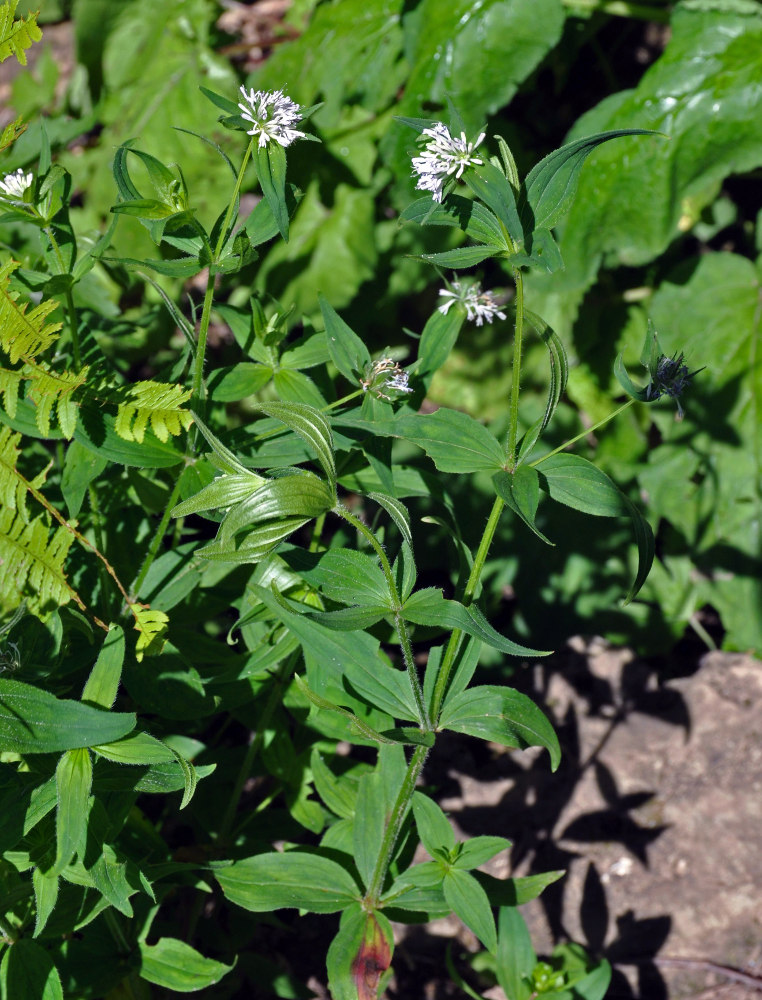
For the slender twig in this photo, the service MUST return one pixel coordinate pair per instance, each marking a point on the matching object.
(518, 336)
(701, 964)
(393, 827)
(583, 434)
(399, 619)
(157, 539)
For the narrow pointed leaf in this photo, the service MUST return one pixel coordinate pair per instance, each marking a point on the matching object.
(469, 902)
(177, 966)
(312, 427)
(348, 352)
(521, 492)
(271, 171)
(293, 879)
(74, 778)
(501, 715)
(550, 186)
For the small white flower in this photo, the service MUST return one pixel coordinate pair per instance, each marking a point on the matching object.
(442, 157)
(384, 375)
(14, 185)
(481, 306)
(272, 116)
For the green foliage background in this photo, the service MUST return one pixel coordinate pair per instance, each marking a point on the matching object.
(669, 232)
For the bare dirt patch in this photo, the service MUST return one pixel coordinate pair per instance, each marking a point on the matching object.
(655, 813)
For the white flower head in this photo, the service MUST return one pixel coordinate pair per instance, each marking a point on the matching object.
(442, 157)
(272, 116)
(481, 306)
(14, 185)
(384, 376)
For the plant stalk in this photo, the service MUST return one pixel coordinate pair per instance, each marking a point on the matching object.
(518, 337)
(583, 434)
(156, 541)
(391, 833)
(407, 651)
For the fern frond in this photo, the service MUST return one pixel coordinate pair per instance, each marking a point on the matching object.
(16, 36)
(11, 132)
(49, 388)
(10, 386)
(159, 404)
(152, 627)
(12, 490)
(24, 334)
(31, 563)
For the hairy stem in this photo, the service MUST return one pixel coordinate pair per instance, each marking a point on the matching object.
(393, 827)
(407, 651)
(518, 335)
(157, 539)
(583, 434)
(453, 644)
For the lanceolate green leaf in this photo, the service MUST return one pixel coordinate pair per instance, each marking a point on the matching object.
(429, 607)
(74, 777)
(35, 721)
(293, 879)
(103, 682)
(27, 972)
(469, 901)
(348, 352)
(501, 715)
(176, 966)
(577, 483)
(489, 184)
(520, 490)
(549, 188)
(454, 441)
(271, 171)
(312, 427)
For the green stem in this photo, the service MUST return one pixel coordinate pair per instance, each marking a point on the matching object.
(391, 833)
(116, 931)
(157, 540)
(583, 434)
(518, 335)
(100, 545)
(407, 651)
(344, 399)
(198, 372)
(317, 531)
(453, 644)
(273, 700)
(74, 332)
(203, 330)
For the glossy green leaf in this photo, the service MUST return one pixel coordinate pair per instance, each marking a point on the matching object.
(343, 575)
(74, 778)
(437, 341)
(429, 607)
(550, 186)
(103, 683)
(27, 972)
(176, 966)
(472, 217)
(577, 483)
(433, 827)
(469, 902)
(479, 850)
(642, 193)
(313, 428)
(227, 385)
(224, 491)
(516, 957)
(489, 184)
(348, 352)
(300, 495)
(255, 545)
(339, 794)
(347, 658)
(270, 161)
(521, 492)
(454, 441)
(462, 257)
(295, 879)
(501, 715)
(45, 887)
(35, 721)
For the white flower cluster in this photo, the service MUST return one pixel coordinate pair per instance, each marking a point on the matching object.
(272, 116)
(384, 376)
(14, 185)
(443, 157)
(481, 307)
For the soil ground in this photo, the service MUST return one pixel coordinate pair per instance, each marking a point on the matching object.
(655, 813)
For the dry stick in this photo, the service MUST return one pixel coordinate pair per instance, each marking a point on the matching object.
(702, 964)
(83, 541)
